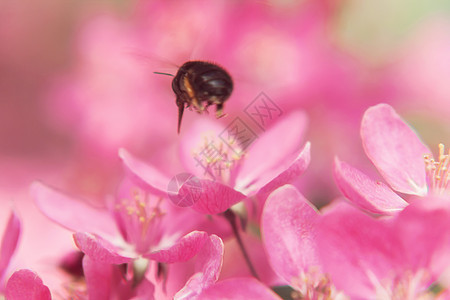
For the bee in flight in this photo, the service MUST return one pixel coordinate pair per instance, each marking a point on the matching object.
(199, 84)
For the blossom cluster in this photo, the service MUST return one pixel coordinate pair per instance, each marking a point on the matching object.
(279, 198)
(372, 243)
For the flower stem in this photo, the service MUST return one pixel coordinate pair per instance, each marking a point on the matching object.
(231, 217)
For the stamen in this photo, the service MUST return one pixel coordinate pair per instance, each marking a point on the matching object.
(438, 171)
(313, 284)
(139, 218)
(219, 158)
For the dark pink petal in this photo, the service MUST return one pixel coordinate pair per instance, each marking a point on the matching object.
(363, 192)
(238, 288)
(153, 179)
(284, 139)
(395, 149)
(9, 242)
(208, 266)
(289, 232)
(98, 277)
(26, 285)
(353, 245)
(70, 213)
(212, 198)
(289, 172)
(99, 249)
(186, 248)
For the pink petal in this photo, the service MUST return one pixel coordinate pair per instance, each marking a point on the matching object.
(424, 229)
(26, 285)
(70, 213)
(99, 249)
(395, 149)
(186, 248)
(212, 198)
(9, 242)
(284, 139)
(365, 193)
(238, 288)
(208, 266)
(289, 232)
(288, 173)
(193, 141)
(98, 277)
(153, 179)
(353, 245)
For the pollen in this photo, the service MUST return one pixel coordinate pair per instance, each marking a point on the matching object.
(219, 157)
(438, 171)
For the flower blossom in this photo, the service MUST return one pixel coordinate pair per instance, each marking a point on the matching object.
(344, 249)
(401, 158)
(227, 171)
(135, 228)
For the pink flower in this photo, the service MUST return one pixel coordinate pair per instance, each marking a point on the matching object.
(227, 171)
(135, 225)
(345, 249)
(9, 243)
(400, 157)
(394, 258)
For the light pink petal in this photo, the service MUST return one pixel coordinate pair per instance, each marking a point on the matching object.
(363, 192)
(289, 232)
(238, 288)
(288, 173)
(356, 250)
(98, 277)
(424, 229)
(9, 242)
(284, 139)
(99, 249)
(26, 285)
(156, 181)
(70, 213)
(193, 141)
(395, 149)
(211, 197)
(186, 248)
(208, 266)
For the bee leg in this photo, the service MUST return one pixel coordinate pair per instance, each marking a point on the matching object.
(219, 111)
(180, 115)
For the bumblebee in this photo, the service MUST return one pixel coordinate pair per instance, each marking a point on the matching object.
(199, 84)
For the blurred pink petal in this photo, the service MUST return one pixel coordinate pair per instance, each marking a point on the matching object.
(238, 288)
(186, 248)
(213, 197)
(375, 197)
(394, 149)
(288, 225)
(9, 242)
(26, 285)
(154, 179)
(99, 249)
(70, 213)
(208, 266)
